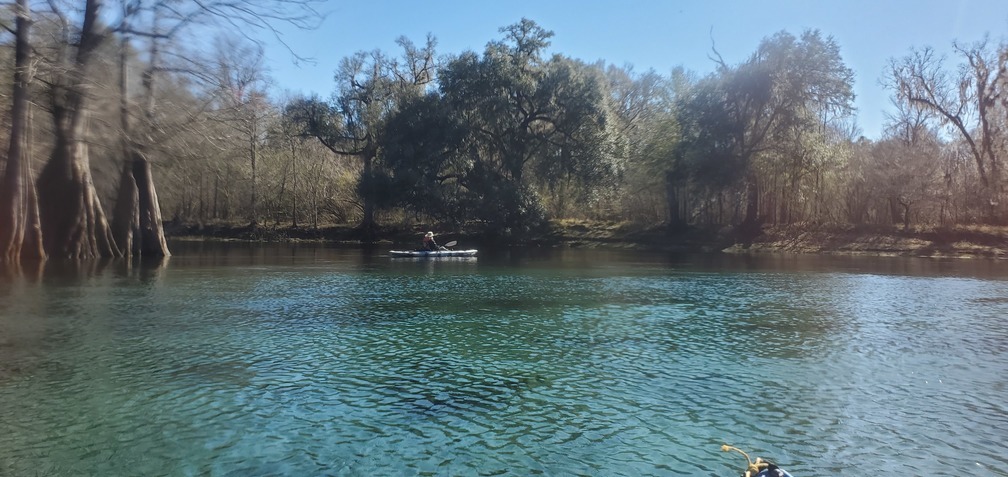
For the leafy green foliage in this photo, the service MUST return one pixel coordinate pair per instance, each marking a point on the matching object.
(512, 135)
(422, 167)
(502, 126)
(370, 88)
(739, 123)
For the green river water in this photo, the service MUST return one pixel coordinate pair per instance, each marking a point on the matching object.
(255, 360)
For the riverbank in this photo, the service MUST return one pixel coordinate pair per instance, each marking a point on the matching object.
(954, 242)
(936, 242)
(962, 242)
(563, 233)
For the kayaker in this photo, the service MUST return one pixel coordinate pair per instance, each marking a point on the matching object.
(429, 244)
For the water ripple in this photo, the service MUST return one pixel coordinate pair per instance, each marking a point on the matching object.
(420, 370)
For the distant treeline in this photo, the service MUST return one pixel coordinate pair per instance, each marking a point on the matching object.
(498, 141)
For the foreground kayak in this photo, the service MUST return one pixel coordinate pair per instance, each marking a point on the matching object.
(432, 254)
(760, 468)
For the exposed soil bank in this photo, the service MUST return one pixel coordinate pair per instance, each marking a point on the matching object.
(964, 242)
(979, 241)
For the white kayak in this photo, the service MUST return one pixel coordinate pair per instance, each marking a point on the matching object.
(432, 254)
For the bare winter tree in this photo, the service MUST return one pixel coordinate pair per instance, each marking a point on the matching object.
(73, 221)
(967, 103)
(240, 84)
(20, 230)
(137, 222)
(370, 87)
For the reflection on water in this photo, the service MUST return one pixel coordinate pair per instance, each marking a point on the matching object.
(304, 360)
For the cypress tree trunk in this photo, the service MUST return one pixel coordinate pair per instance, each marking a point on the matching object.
(73, 222)
(126, 216)
(20, 230)
(152, 238)
(137, 223)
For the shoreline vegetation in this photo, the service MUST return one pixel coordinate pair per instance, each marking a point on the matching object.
(516, 138)
(933, 242)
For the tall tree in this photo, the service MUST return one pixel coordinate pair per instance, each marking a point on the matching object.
(425, 171)
(967, 102)
(20, 229)
(905, 174)
(137, 225)
(529, 121)
(73, 221)
(741, 114)
(241, 92)
(643, 114)
(370, 88)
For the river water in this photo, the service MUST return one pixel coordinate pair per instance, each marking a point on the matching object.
(254, 360)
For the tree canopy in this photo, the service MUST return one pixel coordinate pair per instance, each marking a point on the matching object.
(500, 141)
(502, 125)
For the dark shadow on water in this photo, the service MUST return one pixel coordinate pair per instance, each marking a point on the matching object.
(58, 272)
(29, 271)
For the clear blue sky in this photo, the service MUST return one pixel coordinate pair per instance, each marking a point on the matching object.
(648, 34)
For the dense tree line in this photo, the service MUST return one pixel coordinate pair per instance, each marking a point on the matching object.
(499, 140)
(74, 66)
